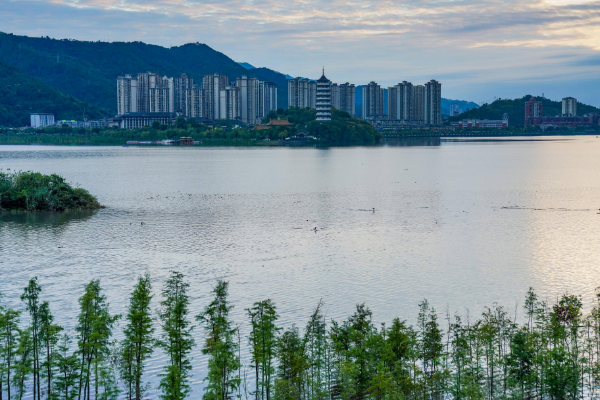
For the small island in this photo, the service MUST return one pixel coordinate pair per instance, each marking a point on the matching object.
(33, 191)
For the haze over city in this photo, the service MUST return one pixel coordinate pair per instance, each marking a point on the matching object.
(478, 50)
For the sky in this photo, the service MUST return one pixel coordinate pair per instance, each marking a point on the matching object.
(478, 50)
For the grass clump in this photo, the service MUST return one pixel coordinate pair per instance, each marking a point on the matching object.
(33, 191)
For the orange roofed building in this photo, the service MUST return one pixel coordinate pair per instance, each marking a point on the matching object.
(272, 123)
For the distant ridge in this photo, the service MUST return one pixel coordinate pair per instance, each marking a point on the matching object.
(22, 94)
(88, 70)
(246, 65)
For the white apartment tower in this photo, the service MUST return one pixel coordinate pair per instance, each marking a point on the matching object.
(372, 101)
(432, 105)
(302, 93)
(249, 98)
(182, 85)
(401, 101)
(194, 102)
(146, 81)
(569, 106)
(127, 94)
(162, 96)
(323, 98)
(212, 85)
(268, 102)
(229, 102)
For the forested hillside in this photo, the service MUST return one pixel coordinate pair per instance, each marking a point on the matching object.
(21, 94)
(516, 110)
(88, 70)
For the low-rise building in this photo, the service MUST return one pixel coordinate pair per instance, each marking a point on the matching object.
(483, 123)
(140, 120)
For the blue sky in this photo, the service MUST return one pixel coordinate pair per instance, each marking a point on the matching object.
(477, 49)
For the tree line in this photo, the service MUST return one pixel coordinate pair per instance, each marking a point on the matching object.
(554, 353)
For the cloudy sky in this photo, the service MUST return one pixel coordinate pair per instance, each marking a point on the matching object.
(477, 49)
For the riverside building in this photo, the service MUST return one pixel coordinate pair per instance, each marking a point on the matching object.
(416, 103)
(372, 101)
(302, 93)
(246, 98)
(569, 107)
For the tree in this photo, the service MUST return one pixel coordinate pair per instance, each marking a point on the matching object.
(49, 337)
(31, 297)
(9, 340)
(220, 345)
(262, 342)
(67, 366)
(138, 343)
(176, 341)
(94, 330)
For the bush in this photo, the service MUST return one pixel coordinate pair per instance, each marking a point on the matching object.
(32, 191)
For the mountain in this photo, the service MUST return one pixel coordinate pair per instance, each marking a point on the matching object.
(246, 65)
(88, 70)
(516, 110)
(462, 104)
(22, 94)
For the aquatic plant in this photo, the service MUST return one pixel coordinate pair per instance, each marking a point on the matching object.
(33, 191)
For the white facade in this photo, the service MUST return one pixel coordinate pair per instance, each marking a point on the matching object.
(127, 94)
(569, 106)
(302, 93)
(42, 119)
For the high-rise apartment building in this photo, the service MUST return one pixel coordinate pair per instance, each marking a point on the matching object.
(269, 101)
(323, 99)
(212, 85)
(194, 102)
(229, 103)
(335, 96)
(182, 85)
(533, 112)
(247, 98)
(162, 96)
(418, 102)
(432, 106)
(372, 101)
(127, 94)
(401, 101)
(569, 107)
(302, 93)
(347, 98)
(146, 81)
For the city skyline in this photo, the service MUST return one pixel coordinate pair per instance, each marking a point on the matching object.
(479, 50)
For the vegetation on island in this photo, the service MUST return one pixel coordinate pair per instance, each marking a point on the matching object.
(33, 191)
(552, 351)
(341, 130)
(515, 108)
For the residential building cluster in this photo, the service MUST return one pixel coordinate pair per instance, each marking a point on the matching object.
(482, 123)
(534, 115)
(408, 104)
(246, 99)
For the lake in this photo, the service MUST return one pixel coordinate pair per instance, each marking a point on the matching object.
(463, 223)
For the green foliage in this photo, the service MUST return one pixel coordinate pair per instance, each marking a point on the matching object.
(138, 343)
(32, 191)
(220, 345)
(262, 340)
(88, 70)
(515, 109)
(177, 340)
(22, 94)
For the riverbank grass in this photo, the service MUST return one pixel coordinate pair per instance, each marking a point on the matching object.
(33, 191)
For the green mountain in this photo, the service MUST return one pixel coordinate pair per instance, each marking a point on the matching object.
(516, 110)
(22, 94)
(88, 70)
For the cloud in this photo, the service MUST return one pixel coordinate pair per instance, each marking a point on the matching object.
(467, 43)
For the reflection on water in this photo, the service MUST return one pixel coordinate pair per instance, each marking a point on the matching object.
(464, 225)
(43, 218)
(412, 141)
